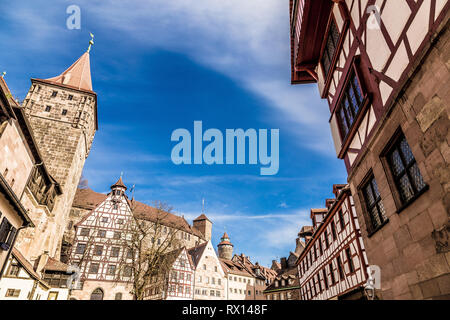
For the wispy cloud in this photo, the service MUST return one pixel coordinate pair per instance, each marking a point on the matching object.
(242, 39)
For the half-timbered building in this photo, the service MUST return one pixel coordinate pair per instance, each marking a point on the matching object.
(383, 68)
(174, 282)
(101, 241)
(333, 264)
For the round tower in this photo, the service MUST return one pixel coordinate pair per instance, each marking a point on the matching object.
(225, 247)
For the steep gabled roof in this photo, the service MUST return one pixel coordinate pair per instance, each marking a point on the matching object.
(197, 252)
(201, 217)
(77, 76)
(89, 199)
(232, 267)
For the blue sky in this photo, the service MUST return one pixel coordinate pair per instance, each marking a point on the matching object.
(159, 65)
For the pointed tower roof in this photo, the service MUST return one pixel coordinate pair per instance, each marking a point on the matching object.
(225, 240)
(119, 183)
(202, 217)
(77, 76)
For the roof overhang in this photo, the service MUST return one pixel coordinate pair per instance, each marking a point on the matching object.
(309, 19)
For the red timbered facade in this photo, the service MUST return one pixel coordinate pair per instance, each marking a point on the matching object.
(99, 250)
(383, 68)
(175, 284)
(333, 264)
(102, 245)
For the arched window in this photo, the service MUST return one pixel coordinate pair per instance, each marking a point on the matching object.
(97, 294)
(118, 296)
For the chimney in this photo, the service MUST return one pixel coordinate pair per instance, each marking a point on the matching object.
(284, 264)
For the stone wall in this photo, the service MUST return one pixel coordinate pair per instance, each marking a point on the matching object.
(412, 247)
(64, 128)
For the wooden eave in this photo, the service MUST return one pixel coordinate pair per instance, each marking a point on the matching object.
(312, 32)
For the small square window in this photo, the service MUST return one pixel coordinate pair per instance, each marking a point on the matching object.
(102, 233)
(93, 268)
(54, 94)
(111, 270)
(48, 108)
(104, 219)
(81, 247)
(84, 232)
(70, 97)
(64, 112)
(98, 250)
(115, 252)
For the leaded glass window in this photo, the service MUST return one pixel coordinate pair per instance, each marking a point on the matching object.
(374, 205)
(404, 168)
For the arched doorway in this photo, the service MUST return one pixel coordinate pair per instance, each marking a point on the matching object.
(97, 294)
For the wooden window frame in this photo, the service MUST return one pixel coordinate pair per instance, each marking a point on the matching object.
(78, 245)
(11, 293)
(342, 34)
(340, 267)
(83, 230)
(351, 265)
(341, 219)
(355, 68)
(90, 271)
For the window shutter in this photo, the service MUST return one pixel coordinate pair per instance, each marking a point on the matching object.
(4, 230)
(12, 236)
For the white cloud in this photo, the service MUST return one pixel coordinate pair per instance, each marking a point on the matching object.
(246, 40)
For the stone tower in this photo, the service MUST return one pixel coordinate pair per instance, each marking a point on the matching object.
(63, 115)
(225, 247)
(204, 225)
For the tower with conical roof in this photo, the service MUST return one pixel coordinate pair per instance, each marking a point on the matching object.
(225, 247)
(63, 114)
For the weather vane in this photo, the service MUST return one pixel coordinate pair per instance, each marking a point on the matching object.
(121, 174)
(3, 74)
(91, 42)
